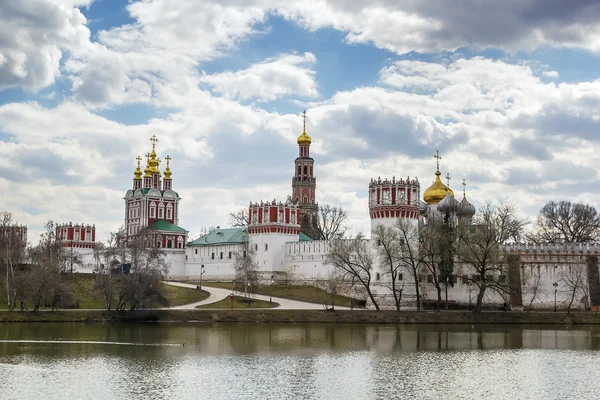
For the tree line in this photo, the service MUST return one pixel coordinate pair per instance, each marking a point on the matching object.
(444, 252)
(35, 275)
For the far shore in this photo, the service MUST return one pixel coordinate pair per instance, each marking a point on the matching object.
(306, 316)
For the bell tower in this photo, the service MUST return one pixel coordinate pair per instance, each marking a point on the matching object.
(304, 186)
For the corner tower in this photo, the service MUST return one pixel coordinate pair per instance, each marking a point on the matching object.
(390, 200)
(304, 186)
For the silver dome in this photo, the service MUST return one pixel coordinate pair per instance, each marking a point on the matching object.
(448, 205)
(466, 209)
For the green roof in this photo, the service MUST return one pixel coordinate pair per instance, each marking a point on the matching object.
(162, 225)
(304, 238)
(222, 236)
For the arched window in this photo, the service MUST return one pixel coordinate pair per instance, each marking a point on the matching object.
(169, 211)
(161, 211)
(152, 210)
(305, 170)
(159, 241)
(299, 170)
(180, 242)
(169, 244)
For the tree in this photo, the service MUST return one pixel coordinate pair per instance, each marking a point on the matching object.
(143, 287)
(49, 259)
(479, 247)
(431, 242)
(566, 222)
(331, 222)
(353, 258)
(574, 281)
(12, 253)
(246, 270)
(331, 286)
(239, 218)
(391, 245)
(533, 285)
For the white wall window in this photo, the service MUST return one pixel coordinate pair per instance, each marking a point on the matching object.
(161, 211)
(169, 211)
(152, 210)
(292, 218)
(266, 247)
(281, 216)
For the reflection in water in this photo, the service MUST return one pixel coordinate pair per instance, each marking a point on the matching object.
(322, 361)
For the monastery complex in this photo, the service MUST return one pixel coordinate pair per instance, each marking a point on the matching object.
(282, 237)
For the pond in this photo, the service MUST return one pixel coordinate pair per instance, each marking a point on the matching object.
(297, 361)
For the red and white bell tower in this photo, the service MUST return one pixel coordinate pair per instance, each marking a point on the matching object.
(304, 186)
(152, 206)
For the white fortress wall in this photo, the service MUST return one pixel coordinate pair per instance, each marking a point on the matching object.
(218, 261)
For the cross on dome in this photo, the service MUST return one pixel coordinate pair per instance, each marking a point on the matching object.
(438, 158)
(153, 139)
(448, 179)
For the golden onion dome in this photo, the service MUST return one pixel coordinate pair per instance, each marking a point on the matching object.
(304, 139)
(436, 192)
(137, 174)
(168, 169)
(148, 170)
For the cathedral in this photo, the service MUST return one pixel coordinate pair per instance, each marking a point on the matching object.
(283, 240)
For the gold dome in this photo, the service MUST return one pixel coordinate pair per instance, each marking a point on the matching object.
(304, 139)
(436, 192)
(137, 174)
(148, 170)
(168, 169)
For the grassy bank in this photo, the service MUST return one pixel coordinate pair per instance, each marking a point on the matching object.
(306, 293)
(84, 295)
(305, 316)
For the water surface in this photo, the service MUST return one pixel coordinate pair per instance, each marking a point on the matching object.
(297, 361)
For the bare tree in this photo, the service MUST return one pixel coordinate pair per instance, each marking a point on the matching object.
(331, 286)
(331, 222)
(239, 218)
(353, 258)
(574, 281)
(479, 247)
(533, 286)
(246, 269)
(430, 243)
(49, 259)
(143, 287)
(390, 251)
(12, 252)
(566, 222)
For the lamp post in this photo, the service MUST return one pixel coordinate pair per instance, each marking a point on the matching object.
(555, 290)
(202, 271)
(271, 288)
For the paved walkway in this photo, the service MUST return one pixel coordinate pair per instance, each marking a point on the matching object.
(217, 294)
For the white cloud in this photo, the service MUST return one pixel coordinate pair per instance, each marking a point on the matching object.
(33, 36)
(550, 74)
(284, 75)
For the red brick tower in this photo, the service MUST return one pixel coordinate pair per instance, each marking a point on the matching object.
(304, 186)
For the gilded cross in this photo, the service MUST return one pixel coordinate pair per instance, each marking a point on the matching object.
(438, 158)
(464, 186)
(304, 117)
(138, 158)
(448, 179)
(168, 158)
(147, 157)
(153, 139)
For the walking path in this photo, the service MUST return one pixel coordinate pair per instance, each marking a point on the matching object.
(217, 294)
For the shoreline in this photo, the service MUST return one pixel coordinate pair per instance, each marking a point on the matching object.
(307, 316)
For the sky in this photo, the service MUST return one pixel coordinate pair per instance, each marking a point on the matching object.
(509, 92)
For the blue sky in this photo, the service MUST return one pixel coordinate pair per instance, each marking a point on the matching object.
(507, 91)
